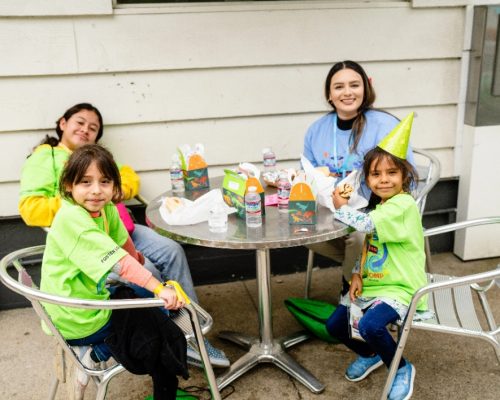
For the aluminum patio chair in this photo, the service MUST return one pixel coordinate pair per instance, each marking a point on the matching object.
(451, 300)
(429, 169)
(193, 320)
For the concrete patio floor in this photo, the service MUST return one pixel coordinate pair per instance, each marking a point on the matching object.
(447, 367)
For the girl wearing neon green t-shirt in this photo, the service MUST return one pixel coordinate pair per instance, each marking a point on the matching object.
(390, 270)
(87, 241)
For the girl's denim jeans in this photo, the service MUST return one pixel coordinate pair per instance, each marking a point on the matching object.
(372, 327)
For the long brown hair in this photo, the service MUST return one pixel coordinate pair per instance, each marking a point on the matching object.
(367, 103)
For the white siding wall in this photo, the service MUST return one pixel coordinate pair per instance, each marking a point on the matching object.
(235, 78)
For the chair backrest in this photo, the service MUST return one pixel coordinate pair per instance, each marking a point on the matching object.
(193, 320)
(429, 170)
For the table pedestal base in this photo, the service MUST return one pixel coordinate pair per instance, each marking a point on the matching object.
(274, 352)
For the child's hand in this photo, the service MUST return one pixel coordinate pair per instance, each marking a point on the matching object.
(356, 287)
(338, 200)
(169, 296)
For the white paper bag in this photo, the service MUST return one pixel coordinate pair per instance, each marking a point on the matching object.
(193, 212)
(356, 200)
(323, 186)
(355, 314)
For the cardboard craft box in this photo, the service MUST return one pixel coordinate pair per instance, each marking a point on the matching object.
(302, 207)
(234, 188)
(194, 172)
(233, 191)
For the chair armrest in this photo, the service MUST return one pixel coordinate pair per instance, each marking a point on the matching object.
(492, 275)
(460, 225)
(35, 293)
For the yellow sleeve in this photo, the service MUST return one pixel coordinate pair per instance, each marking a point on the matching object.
(39, 210)
(130, 182)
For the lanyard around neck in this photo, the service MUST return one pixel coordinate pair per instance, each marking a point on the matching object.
(342, 169)
(335, 158)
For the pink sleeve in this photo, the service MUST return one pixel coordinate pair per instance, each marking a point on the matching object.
(125, 217)
(133, 271)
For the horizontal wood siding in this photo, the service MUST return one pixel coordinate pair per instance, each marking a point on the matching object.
(236, 81)
(157, 42)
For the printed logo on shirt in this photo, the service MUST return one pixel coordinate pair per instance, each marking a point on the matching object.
(336, 168)
(110, 253)
(375, 261)
(342, 166)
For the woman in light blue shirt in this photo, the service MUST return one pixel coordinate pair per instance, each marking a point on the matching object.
(340, 139)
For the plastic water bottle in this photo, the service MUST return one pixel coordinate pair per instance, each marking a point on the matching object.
(252, 208)
(217, 218)
(283, 192)
(176, 179)
(269, 159)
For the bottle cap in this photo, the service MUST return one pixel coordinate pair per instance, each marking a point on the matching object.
(252, 188)
(266, 150)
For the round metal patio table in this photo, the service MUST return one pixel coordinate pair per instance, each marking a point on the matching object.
(275, 232)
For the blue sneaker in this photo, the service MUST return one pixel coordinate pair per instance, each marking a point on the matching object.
(217, 357)
(362, 367)
(402, 387)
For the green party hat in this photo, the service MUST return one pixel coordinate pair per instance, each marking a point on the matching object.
(396, 142)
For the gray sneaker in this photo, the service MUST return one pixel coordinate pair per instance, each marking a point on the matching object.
(217, 357)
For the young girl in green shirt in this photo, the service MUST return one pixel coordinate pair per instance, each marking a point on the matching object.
(390, 270)
(87, 241)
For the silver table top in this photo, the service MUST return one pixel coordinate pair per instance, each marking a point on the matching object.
(275, 231)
